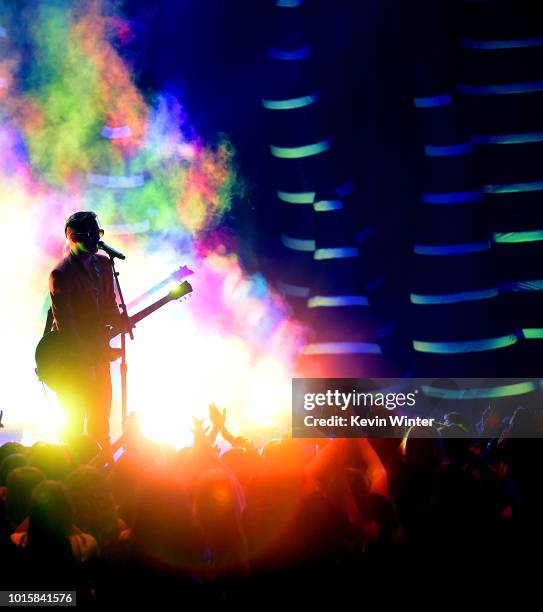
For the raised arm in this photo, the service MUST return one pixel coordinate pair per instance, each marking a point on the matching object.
(375, 470)
(218, 421)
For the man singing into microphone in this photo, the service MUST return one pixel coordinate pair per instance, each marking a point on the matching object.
(83, 304)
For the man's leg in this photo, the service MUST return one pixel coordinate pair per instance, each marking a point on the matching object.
(72, 401)
(99, 405)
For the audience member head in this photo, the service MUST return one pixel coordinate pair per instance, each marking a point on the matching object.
(422, 447)
(244, 463)
(123, 480)
(50, 522)
(10, 463)
(164, 533)
(21, 483)
(284, 462)
(216, 501)
(11, 448)
(456, 443)
(83, 449)
(94, 510)
(52, 459)
(218, 511)
(455, 418)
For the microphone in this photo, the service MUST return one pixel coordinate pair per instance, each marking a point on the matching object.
(110, 250)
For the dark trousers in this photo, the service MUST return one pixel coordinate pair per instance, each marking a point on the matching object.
(87, 394)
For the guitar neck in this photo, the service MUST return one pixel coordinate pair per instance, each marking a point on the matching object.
(178, 292)
(145, 312)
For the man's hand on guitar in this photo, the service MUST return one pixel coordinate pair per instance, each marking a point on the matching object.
(124, 325)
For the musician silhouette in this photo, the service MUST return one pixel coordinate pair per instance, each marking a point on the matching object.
(83, 304)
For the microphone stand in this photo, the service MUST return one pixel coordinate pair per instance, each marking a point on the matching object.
(124, 366)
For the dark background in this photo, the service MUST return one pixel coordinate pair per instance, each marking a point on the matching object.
(211, 54)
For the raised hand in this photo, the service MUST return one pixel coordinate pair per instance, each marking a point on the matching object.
(217, 417)
(199, 431)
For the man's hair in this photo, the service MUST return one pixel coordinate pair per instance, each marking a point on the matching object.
(80, 222)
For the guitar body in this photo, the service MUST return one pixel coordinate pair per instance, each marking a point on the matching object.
(52, 355)
(55, 360)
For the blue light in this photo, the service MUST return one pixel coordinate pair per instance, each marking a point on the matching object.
(448, 150)
(523, 285)
(291, 103)
(452, 249)
(514, 187)
(336, 253)
(341, 348)
(466, 346)
(291, 54)
(518, 237)
(504, 89)
(327, 205)
(345, 189)
(116, 182)
(490, 45)
(300, 197)
(298, 244)
(293, 290)
(432, 101)
(337, 300)
(532, 333)
(453, 298)
(521, 138)
(480, 393)
(456, 197)
(300, 152)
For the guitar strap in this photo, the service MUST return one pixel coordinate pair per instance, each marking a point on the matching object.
(48, 322)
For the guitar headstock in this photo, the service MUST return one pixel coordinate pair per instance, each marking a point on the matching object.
(180, 291)
(181, 273)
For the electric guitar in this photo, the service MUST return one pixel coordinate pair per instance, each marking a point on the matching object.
(53, 354)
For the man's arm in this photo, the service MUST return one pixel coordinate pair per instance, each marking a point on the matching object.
(61, 303)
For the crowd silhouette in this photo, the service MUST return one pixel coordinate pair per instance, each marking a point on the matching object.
(312, 519)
